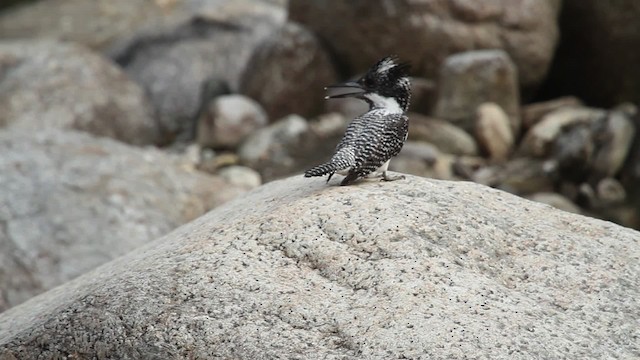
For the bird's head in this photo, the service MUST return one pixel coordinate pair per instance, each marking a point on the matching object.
(386, 85)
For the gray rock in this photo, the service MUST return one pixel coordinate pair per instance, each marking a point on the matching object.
(241, 176)
(610, 192)
(447, 137)
(272, 150)
(520, 176)
(292, 145)
(470, 79)
(418, 158)
(287, 73)
(415, 269)
(228, 120)
(615, 141)
(531, 114)
(61, 85)
(358, 32)
(538, 139)
(556, 200)
(175, 63)
(329, 125)
(493, 131)
(70, 202)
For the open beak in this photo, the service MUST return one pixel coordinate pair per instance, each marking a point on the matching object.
(347, 84)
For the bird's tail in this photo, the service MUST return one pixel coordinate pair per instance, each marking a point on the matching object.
(328, 168)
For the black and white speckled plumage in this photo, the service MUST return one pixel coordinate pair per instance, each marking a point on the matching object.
(373, 138)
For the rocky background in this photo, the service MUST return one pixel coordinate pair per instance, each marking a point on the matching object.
(121, 120)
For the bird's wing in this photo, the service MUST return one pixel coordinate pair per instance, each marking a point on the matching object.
(354, 131)
(383, 140)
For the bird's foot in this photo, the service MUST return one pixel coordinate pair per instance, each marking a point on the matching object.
(387, 177)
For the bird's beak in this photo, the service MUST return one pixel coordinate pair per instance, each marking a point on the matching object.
(347, 84)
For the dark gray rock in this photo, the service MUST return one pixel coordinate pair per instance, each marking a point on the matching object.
(175, 63)
(70, 202)
(415, 269)
(573, 152)
(426, 32)
(598, 57)
(470, 79)
(614, 141)
(60, 85)
(288, 72)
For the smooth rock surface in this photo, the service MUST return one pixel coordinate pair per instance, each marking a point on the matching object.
(417, 158)
(288, 72)
(70, 202)
(228, 120)
(531, 114)
(556, 200)
(241, 176)
(493, 131)
(302, 269)
(446, 136)
(425, 32)
(472, 78)
(520, 176)
(47, 84)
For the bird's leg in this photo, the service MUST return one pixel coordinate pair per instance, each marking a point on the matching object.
(387, 177)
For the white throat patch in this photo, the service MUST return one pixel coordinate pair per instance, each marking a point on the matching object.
(386, 103)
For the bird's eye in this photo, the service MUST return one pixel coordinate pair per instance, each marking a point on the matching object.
(368, 82)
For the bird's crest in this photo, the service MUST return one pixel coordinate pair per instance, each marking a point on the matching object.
(390, 65)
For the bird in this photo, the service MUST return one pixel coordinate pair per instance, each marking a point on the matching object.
(373, 138)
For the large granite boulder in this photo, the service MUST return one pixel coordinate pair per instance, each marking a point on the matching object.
(70, 202)
(46, 84)
(299, 269)
(425, 32)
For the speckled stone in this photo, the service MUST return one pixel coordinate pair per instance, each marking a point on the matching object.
(299, 269)
(70, 202)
